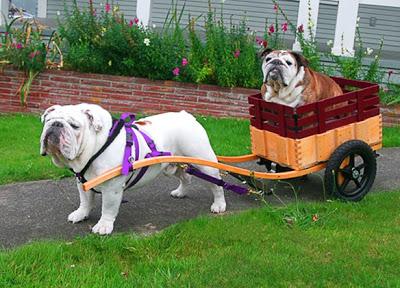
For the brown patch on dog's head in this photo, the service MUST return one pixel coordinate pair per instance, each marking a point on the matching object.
(265, 52)
(300, 59)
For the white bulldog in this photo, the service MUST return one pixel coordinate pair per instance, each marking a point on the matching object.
(72, 134)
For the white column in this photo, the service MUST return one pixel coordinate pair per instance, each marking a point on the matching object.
(3, 10)
(42, 9)
(345, 28)
(143, 11)
(308, 9)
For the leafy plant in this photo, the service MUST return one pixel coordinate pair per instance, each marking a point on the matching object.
(24, 48)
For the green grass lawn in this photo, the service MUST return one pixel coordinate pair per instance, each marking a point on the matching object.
(351, 245)
(20, 159)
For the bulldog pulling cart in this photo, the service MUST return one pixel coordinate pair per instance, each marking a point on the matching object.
(340, 135)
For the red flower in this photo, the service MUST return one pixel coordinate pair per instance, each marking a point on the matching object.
(276, 7)
(285, 27)
(265, 43)
(131, 23)
(236, 54)
(175, 71)
(136, 20)
(390, 72)
(315, 217)
(19, 46)
(108, 7)
(271, 29)
(300, 29)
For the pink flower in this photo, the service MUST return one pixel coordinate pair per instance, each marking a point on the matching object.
(136, 20)
(184, 62)
(34, 54)
(300, 29)
(19, 46)
(176, 71)
(276, 7)
(285, 27)
(236, 54)
(271, 29)
(131, 23)
(108, 7)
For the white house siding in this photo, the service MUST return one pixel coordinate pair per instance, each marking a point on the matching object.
(127, 6)
(326, 21)
(387, 25)
(256, 12)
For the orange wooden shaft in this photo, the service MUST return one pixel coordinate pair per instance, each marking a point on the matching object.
(181, 159)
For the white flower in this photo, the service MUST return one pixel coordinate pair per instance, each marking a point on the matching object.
(154, 26)
(329, 43)
(146, 41)
(58, 13)
(376, 57)
(358, 19)
(369, 51)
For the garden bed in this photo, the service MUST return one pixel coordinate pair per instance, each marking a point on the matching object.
(139, 95)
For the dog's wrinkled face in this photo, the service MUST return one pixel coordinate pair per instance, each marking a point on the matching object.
(280, 67)
(66, 131)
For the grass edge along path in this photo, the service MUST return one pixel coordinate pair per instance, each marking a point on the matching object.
(330, 244)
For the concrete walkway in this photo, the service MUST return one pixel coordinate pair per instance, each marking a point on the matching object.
(38, 210)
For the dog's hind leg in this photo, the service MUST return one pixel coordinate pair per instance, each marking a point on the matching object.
(184, 182)
(219, 204)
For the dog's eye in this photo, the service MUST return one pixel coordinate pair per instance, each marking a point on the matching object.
(288, 63)
(267, 59)
(74, 126)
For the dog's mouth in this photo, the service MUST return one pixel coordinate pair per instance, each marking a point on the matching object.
(274, 76)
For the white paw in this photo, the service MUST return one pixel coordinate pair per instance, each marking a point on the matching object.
(78, 215)
(178, 193)
(218, 207)
(103, 227)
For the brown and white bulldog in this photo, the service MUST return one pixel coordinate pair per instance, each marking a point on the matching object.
(289, 81)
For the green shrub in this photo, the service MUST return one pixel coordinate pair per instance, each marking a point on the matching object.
(24, 48)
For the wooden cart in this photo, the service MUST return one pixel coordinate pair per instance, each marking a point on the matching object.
(340, 134)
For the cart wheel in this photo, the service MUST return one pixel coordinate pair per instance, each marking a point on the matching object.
(350, 171)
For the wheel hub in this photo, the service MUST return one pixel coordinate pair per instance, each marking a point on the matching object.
(355, 173)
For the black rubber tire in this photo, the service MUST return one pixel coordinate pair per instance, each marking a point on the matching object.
(363, 179)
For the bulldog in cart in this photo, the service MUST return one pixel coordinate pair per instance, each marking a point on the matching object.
(73, 135)
(288, 80)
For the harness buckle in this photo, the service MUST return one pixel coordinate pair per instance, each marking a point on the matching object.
(131, 160)
(129, 139)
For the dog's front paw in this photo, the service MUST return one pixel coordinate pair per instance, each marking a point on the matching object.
(78, 215)
(103, 227)
(218, 207)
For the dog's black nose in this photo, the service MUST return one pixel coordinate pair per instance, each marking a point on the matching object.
(57, 124)
(276, 62)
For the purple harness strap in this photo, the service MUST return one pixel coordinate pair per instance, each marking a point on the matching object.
(132, 139)
(232, 187)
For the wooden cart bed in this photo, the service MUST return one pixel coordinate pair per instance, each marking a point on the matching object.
(305, 136)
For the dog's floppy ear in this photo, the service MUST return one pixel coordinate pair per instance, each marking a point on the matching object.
(301, 61)
(265, 52)
(94, 121)
(48, 110)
